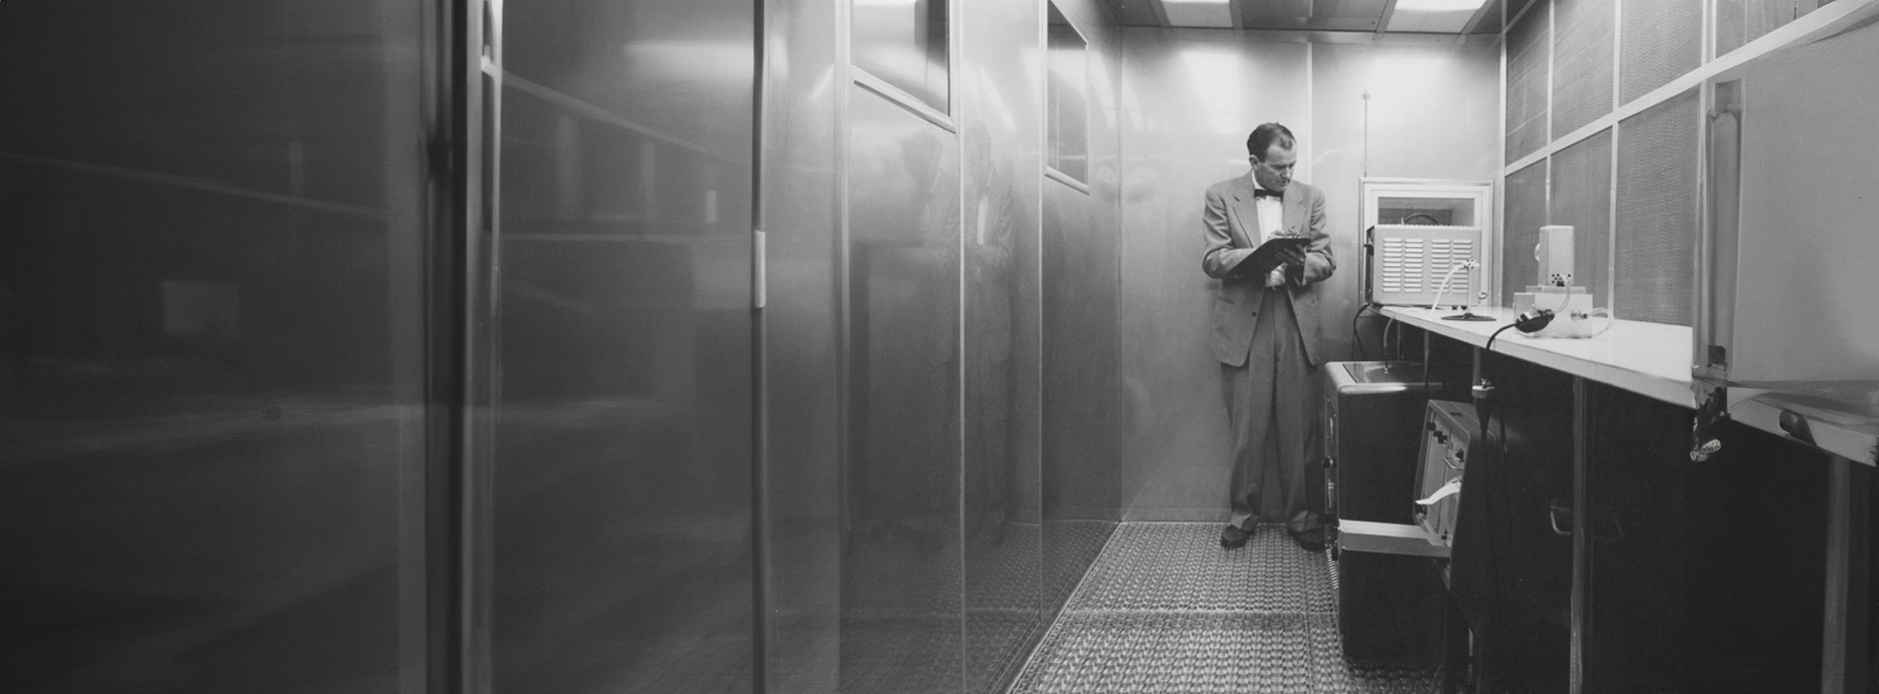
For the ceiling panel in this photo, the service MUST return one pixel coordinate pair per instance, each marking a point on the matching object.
(1491, 20)
(1308, 15)
(1312, 15)
(1135, 13)
(1198, 13)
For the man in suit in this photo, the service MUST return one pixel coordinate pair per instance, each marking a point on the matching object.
(1266, 329)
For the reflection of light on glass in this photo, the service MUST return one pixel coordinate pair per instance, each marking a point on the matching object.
(995, 102)
(1132, 105)
(1435, 5)
(1215, 75)
(691, 60)
(1099, 79)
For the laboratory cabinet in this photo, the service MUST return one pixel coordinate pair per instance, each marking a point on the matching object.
(1390, 600)
(1783, 339)
(1594, 554)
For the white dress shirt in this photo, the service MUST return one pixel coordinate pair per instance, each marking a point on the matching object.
(1271, 217)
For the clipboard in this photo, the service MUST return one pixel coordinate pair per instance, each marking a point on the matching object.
(1266, 257)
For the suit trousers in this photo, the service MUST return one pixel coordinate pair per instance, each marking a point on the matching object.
(1271, 405)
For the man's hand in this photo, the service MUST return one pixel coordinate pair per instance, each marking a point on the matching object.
(1292, 257)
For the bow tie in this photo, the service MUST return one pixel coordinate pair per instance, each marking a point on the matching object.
(1263, 193)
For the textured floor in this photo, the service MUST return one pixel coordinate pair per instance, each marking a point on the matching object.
(1166, 610)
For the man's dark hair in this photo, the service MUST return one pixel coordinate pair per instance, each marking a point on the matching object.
(1260, 142)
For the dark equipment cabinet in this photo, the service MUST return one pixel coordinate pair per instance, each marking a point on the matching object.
(1391, 607)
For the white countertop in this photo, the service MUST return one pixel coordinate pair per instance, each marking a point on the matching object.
(1650, 359)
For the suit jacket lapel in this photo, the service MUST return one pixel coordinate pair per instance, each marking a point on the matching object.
(1247, 211)
(1294, 210)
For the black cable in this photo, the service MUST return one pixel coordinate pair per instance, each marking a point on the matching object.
(1487, 413)
(1358, 338)
(1490, 346)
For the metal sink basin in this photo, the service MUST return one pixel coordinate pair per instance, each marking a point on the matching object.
(1383, 371)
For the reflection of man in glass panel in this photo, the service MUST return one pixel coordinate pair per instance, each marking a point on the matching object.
(1266, 330)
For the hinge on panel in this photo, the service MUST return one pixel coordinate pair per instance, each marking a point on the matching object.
(758, 270)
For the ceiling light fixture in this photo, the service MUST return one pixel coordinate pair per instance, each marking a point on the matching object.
(1439, 5)
(1433, 16)
(1198, 13)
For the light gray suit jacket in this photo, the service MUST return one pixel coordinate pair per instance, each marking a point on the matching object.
(1231, 223)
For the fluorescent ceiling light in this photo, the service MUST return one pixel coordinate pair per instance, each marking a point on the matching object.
(1439, 5)
(1198, 13)
(1433, 16)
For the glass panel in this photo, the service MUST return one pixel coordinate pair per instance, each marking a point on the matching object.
(211, 340)
(1438, 211)
(1069, 99)
(802, 345)
(905, 43)
(621, 481)
(901, 567)
(998, 118)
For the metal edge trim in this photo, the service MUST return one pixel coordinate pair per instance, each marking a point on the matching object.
(901, 98)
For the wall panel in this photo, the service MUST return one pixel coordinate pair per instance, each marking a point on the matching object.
(211, 347)
(621, 535)
(1000, 112)
(1581, 198)
(803, 348)
(901, 555)
(1663, 39)
(1528, 94)
(1655, 230)
(1081, 288)
(1526, 213)
(1741, 21)
(1584, 37)
(1188, 100)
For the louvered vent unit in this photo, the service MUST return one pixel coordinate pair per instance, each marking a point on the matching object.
(1419, 230)
(1412, 263)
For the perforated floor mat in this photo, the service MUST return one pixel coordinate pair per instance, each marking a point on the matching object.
(1165, 610)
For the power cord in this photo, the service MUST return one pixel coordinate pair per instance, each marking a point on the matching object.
(1357, 337)
(1446, 278)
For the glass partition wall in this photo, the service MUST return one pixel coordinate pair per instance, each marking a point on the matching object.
(346, 346)
(213, 346)
(373, 346)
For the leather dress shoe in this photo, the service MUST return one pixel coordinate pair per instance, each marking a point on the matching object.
(1309, 544)
(1234, 537)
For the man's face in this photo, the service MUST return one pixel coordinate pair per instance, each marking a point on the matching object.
(1274, 171)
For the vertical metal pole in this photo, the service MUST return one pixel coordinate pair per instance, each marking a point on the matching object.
(452, 150)
(1581, 536)
(1843, 643)
(759, 338)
